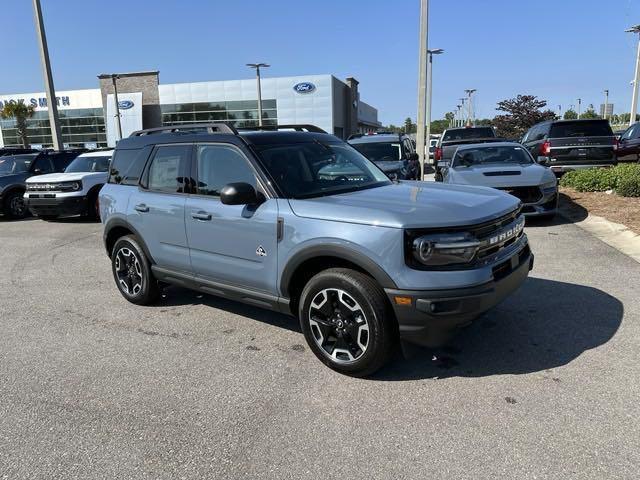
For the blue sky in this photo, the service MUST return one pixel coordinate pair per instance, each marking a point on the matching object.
(559, 50)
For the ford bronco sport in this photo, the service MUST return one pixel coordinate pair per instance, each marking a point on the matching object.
(361, 260)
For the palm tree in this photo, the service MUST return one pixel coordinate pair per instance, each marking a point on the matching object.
(21, 112)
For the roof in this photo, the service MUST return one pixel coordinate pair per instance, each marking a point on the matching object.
(377, 138)
(97, 153)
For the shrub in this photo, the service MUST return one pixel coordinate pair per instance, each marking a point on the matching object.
(590, 180)
(624, 179)
(628, 184)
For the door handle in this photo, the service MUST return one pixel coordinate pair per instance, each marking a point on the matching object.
(141, 207)
(201, 215)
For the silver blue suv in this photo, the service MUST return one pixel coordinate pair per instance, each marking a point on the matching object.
(295, 220)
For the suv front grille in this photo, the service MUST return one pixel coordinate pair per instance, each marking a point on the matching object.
(525, 194)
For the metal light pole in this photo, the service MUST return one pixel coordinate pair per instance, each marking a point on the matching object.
(422, 84)
(257, 67)
(115, 77)
(462, 120)
(469, 92)
(606, 104)
(431, 53)
(52, 105)
(579, 106)
(636, 78)
(560, 111)
(459, 117)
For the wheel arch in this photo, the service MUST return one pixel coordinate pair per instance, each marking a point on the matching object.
(118, 228)
(312, 260)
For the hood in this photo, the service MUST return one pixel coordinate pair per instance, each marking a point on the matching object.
(13, 179)
(501, 175)
(66, 177)
(410, 205)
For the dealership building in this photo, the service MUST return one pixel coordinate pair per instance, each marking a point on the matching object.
(88, 117)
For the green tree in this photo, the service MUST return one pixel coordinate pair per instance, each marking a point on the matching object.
(570, 114)
(521, 113)
(20, 112)
(589, 113)
(439, 126)
(409, 126)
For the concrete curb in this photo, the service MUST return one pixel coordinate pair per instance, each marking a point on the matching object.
(614, 234)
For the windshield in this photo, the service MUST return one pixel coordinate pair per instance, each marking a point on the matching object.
(379, 151)
(468, 133)
(595, 128)
(491, 155)
(12, 164)
(314, 169)
(89, 164)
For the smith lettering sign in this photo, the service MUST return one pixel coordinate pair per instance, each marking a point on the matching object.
(38, 102)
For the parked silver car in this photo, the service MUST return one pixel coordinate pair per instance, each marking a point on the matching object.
(506, 166)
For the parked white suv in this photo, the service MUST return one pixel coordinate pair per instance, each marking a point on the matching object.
(72, 192)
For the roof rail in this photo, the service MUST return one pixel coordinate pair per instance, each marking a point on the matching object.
(298, 128)
(212, 127)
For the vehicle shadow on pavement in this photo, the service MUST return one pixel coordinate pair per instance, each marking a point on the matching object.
(174, 296)
(544, 325)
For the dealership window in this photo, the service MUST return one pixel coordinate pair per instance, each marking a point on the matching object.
(242, 113)
(79, 127)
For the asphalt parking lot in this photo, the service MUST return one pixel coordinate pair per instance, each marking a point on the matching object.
(544, 386)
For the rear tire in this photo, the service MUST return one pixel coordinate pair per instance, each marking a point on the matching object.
(14, 206)
(132, 272)
(347, 321)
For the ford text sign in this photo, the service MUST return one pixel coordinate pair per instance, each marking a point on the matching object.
(125, 104)
(304, 87)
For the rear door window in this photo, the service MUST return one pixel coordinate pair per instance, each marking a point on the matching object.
(167, 169)
(468, 133)
(597, 128)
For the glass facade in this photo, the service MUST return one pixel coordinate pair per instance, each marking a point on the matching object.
(82, 127)
(242, 113)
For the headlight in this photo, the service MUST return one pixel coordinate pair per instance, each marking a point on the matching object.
(70, 186)
(550, 186)
(440, 249)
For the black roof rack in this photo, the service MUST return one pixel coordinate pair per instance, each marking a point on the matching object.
(298, 128)
(212, 127)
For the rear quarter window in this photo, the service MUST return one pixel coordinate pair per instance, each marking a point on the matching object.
(596, 128)
(127, 166)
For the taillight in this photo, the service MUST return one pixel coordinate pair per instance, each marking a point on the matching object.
(437, 154)
(545, 148)
(616, 144)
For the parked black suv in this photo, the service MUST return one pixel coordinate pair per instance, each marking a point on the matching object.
(629, 144)
(15, 169)
(394, 153)
(567, 145)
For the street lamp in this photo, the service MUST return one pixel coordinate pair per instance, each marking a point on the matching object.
(606, 104)
(52, 105)
(462, 120)
(636, 78)
(579, 106)
(459, 116)
(430, 53)
(257, 67)
(115, 77)
(421, 144)
(469, 92)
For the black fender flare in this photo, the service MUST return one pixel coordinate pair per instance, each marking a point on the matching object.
(337, 251)
(119, 222)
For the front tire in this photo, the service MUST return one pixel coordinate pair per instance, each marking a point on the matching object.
(347, 322)
(132, 272)
(14, 206)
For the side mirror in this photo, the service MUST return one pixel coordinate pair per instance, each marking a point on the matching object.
(544, 161)
(443, 164)
(37, 171)
(414, 157)
(239, 194)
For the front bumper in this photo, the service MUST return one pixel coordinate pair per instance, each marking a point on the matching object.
(434, 316)
(50, 205)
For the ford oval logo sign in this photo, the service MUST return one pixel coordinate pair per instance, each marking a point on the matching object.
(304, 87)
(125, 104)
